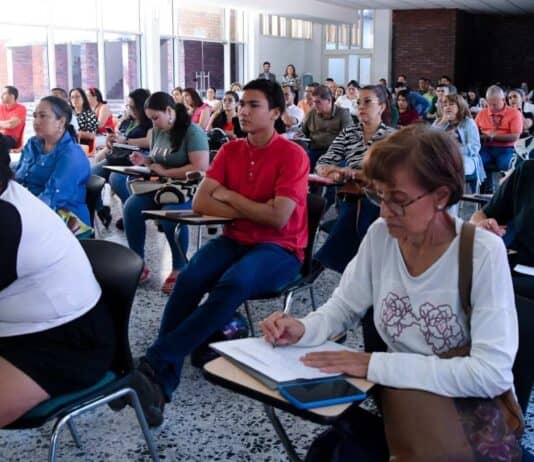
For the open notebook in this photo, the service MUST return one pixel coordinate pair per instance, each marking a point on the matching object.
(274, 366)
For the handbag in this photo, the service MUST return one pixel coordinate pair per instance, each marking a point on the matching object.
(176, 192)
(119, 156)
(425, 427)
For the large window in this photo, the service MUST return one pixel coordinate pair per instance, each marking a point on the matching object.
(121, 54)
(203, 22)
(356, 35)
(280, 26)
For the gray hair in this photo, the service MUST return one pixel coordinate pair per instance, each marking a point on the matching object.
(494, 90)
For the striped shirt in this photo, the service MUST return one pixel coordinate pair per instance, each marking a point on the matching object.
(350, 146)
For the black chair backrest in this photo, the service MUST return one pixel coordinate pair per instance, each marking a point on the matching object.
(94, 187)
(316, 206)
(117, 270)
(523, 369)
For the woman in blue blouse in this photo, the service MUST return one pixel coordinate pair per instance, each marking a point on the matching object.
(53, 166)
(457, 120)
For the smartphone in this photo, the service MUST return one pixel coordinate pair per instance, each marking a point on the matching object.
(109, 130)
(321, 392)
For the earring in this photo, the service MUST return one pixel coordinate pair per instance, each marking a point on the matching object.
(170, 120)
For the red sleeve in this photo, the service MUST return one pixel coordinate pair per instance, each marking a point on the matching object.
(21, 113)
(516, 123)
(217, 169)
(293, 179)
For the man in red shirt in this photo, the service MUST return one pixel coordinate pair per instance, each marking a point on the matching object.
(261, 182)
(12, 117)
(500, 127)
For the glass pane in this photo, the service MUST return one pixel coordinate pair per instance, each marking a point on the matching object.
(355, 33)
(62, 13)
(202, 64)
(206, 22)
(308, 27)
(121, 54)
(330, 36)
(165, 17)
(26, 12)
(296, 28)
(353, 68)
(336, 69)
(343, 43)
(365, 70)
(24, 61)
(368, 29)
(274, 25)
(76, 58)
(237, 33)
(237, 60)
(121, 15)
(166, 64)
(283, 26)
(265, 19)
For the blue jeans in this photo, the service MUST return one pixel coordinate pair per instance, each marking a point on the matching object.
(231, 273)
(345, 236)
(119, 185)
(314, 154)
(496, 157)
(134, 226)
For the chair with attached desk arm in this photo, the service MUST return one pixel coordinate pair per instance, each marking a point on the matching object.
(94, 187)
(117, 269)
(307, 275)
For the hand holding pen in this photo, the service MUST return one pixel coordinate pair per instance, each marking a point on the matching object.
(280, 329)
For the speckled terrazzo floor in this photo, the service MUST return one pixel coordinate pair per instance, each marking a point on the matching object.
(204, 422)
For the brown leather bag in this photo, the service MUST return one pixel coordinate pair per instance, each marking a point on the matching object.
(426, 427)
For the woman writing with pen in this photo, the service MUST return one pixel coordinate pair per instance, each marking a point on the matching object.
(342, 163)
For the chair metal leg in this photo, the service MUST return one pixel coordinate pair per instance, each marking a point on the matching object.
(144, 426)
(249, 319)
(288, 300)
(312, 298)
(199, 237)
(75, 434)
(280, 431)
(52, 451)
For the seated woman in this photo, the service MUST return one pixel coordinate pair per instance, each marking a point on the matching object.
(407, 268)
(103, 115)
(87, 120)
(516, 98)
(457, 121)
(407, 114)
(55, 335)
(227, 119)
(53, 166)
(133, 130)
(177, 95)
(350, 99)
(212, 101)
(177, 146)
(199, 111)
(342, 163)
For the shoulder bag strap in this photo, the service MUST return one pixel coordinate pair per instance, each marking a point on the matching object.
(465, 272)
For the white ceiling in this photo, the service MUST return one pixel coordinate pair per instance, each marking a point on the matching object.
(473, 6)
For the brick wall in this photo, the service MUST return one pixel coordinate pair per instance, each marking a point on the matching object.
(62, 71)
(473, 49)
(424, 44)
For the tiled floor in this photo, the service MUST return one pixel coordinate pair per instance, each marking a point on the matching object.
(203, 423)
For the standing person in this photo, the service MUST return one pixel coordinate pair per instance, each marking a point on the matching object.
(87, 120)
(199, 111)
(12, 118)
(103, 114)
(500, 127)
(260, 251)
(457, 121)
(323, 122)
(177, 146)
(267, 74)
(227, 118)
(56, 335)
(407, 269)
(349, 100)
(292, 80)
(53, 166)
(343, 162)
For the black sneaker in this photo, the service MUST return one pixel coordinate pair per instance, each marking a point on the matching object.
(120, 224)
(105, 216)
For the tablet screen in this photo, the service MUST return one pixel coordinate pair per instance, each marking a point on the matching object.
(324, 390)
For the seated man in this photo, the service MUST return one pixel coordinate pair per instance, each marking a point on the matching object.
(12, 117)
(500, 127)
(261, 182)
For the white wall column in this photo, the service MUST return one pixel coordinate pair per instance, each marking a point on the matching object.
(381, 67)
(150, 46)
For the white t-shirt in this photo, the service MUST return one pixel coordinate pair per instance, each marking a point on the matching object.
(46, 279)
(345, 102)
(420, 317)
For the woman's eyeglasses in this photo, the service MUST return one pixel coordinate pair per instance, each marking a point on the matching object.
(397, 208)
